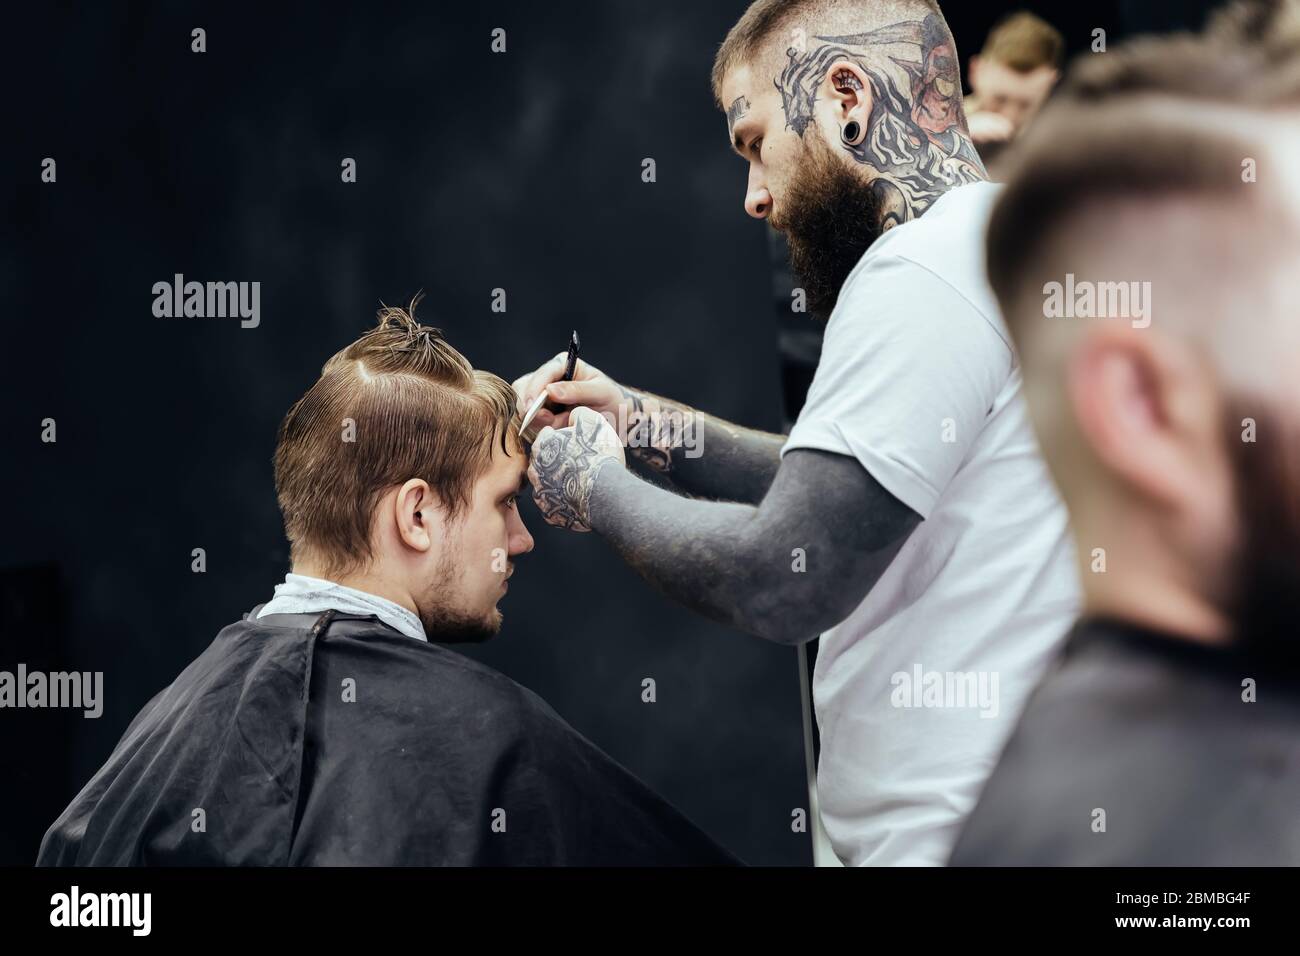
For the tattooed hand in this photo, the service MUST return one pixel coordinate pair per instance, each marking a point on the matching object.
(565, 464)
(590, 387)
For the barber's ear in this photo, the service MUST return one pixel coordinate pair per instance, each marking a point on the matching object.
(417, 515)
(1146, 407)
(972, 70)
(847, 89)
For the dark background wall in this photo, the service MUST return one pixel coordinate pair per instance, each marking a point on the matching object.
(475, 171)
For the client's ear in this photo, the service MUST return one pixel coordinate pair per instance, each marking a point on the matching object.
(1146, 408)
(417, 514)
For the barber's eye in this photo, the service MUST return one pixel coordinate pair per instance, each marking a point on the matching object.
(510, 502)
(756, 146)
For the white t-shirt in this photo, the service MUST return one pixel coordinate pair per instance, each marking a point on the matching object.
(918, 689)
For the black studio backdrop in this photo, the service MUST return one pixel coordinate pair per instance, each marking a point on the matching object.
(475, 171)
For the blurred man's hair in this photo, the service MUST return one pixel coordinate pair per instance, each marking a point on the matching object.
(417, 409)
(767, 25)
(1024, 42)
(1125, 125)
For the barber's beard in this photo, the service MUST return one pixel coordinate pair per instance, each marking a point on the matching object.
(445, 622)
(1266, 474)
(830, 217)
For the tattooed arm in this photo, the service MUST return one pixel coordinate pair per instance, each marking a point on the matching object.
(699, 454)
(785, 570)
(670, 439)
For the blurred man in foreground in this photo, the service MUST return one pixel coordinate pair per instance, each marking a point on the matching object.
(1144, 253)
(328, 727)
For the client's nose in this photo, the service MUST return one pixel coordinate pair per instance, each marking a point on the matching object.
(521, 542)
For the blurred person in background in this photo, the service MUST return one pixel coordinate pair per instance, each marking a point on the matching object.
(1010, 79)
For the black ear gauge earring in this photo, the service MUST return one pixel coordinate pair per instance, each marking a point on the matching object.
(851, 133)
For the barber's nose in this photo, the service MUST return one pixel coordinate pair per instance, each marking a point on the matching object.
(758, 201)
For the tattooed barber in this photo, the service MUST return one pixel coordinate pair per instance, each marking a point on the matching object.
(937, 564)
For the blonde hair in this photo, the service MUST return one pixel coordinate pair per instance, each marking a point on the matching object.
(415, 408)
(1024, 42)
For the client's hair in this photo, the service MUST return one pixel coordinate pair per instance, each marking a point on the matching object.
(398, 403)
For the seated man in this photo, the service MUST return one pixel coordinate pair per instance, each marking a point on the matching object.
(328, 726)
(1165, 395)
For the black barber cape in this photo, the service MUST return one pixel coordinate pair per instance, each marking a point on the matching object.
(1153, 731)
(438, 760)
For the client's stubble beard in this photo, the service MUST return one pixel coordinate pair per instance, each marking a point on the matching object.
(830, 216)
(443, 622)
(1265, 608)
